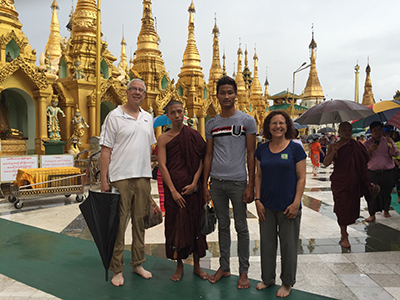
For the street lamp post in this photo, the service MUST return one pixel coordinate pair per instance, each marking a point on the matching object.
(301, 68)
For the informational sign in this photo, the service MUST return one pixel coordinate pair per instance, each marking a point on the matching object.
(56, 161)
(9, 166)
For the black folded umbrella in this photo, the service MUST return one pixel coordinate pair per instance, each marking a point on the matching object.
(101, 213)
(326, 130)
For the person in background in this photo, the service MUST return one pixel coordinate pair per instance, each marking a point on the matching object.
(279, 187)
(396, 139)
(296, 138)
(349, 180)
(323, 141)
(315, 152)
(381, 151)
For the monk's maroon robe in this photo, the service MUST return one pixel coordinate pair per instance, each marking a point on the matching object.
(184, 153)
(350, 181)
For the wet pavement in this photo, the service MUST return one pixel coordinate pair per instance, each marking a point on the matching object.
(370, 269)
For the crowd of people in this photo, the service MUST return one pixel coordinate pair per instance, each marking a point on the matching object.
(228, 168)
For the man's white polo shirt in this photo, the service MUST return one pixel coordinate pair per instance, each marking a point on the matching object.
(130, 141)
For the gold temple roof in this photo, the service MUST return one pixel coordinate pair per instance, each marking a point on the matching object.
(53, 43)
(215, 70)
(8, 14)
(191, 57)
(368, 96)
(84, 18)
(313, 89)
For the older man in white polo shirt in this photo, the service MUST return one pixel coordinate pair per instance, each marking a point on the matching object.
(126, 138)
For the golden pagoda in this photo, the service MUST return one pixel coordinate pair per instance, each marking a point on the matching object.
(215, 74)
(313, 93)
(247, 73)
(76, 86)
(149, 66)
(53, 48)
(25, 89)
(368, 96)
(242, 96)
(191, 84)
(256, 97)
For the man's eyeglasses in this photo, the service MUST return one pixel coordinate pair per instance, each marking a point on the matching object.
(135, 89)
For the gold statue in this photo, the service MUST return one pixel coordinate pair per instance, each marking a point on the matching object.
(8, 57)
(53, 126)
(78, 73)
(79, 128)
(193, 122)
(74, 148)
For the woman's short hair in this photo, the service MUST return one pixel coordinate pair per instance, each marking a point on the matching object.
(290, 131)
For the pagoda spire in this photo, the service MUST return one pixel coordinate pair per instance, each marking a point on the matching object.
(313, 89)
(215, 70)
(191, 57)
(123, 52)
(8, 14)
(246, 71)
(84, 18)
(53, 47)
(224, 66)
(368, 96)
(256, 96)
(148, 39)
(241, 85)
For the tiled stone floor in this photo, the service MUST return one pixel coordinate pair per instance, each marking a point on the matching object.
(370, 270)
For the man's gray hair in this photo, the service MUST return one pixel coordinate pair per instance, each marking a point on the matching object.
(136, 79)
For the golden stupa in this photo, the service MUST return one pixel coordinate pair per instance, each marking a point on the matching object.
(368, 96)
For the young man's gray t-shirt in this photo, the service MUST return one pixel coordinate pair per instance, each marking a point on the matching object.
(229, 139)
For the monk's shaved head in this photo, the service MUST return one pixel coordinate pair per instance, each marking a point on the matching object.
(344, 125)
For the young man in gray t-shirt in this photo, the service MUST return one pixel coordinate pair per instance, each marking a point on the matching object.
(229, 136)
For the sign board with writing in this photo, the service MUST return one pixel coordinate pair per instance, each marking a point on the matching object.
(56, 161)
(9, 166)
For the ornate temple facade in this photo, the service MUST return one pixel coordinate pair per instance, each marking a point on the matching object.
(67, 72)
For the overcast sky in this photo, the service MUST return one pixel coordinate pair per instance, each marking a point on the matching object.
(346, 32)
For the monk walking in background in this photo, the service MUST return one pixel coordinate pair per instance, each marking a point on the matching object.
(180, 161)
(349, 180)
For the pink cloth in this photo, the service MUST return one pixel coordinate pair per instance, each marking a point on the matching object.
(381, 158)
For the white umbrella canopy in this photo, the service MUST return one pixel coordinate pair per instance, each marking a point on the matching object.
(334, 111)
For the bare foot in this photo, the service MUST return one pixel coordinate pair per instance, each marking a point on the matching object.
(117, 279)
(370, 219)
(386, 214)
(261, 285)
(284, 290)
(142, 272)
(243, 282)
(199, 272)
(217, 276)
(179, 272)
(344, 242)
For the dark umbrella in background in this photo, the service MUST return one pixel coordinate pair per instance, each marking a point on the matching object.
(326, 130)
(312, 137)
(334, 111)
(101, 213)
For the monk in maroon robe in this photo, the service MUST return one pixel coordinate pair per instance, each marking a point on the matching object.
(181, 151)
(349, 180)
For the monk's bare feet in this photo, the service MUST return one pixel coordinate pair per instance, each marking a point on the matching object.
(284, 290)
(199, 272)
(386, 214)
(370, 219)
(179, 272)
(261, 285)
(217, 276)
(117, 279)
(344, 242)
(243, 282)
(142, 272)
